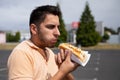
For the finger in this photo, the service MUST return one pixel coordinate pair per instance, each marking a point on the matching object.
(62, 54)
(56, 57)
(68, 53)
(59, 58)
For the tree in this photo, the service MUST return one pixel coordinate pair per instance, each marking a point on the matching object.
(118, 30)
(86, 34)
(63, 32)
(105, 37)
(10, 37)
(17, 36)
(13, 38)
(110, 30)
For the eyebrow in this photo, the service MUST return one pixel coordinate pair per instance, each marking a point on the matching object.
(52, 25)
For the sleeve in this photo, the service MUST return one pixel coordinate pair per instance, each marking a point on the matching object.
(20, 66)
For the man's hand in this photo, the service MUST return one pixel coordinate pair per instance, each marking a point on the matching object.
(64, 61)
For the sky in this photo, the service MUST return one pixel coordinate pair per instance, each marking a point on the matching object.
(14, 14)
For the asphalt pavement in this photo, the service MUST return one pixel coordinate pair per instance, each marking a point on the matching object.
(103, 65)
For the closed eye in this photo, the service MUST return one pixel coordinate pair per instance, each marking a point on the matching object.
(51, 26)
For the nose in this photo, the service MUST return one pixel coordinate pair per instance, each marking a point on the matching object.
(57, 32)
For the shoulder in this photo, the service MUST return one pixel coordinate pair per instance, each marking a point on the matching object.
(23, 45)
(21, 50)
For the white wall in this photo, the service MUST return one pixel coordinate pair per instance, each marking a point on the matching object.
(2, 37)
(114, 39)
(24, 35)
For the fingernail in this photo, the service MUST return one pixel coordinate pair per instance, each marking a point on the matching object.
(66, 51)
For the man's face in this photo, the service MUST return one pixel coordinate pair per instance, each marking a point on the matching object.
(48, 31)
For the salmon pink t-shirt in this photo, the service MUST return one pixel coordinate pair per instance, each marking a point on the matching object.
(26, 63)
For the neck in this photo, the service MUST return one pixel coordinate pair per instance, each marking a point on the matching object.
(43, 53)
(37, 43)
(42, 49)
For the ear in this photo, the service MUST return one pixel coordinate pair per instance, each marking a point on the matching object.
(33, 29)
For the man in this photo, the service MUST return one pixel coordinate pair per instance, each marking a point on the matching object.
(33, 59)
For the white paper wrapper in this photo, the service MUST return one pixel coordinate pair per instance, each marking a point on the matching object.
(75, 59)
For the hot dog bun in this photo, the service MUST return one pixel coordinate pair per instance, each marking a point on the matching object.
(76, 51)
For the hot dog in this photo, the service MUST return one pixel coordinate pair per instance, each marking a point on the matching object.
(75, 50)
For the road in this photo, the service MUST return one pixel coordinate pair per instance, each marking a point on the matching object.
(103, 65)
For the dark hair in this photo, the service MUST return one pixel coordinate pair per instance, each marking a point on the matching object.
(38, 15)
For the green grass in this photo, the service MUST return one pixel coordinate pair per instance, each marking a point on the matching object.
(103, 46)
(8, 46)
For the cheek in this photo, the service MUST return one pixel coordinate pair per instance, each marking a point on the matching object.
(46, 35)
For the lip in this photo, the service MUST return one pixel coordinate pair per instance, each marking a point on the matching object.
(54, 40)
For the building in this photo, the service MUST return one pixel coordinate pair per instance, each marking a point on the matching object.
(2, 37)
(71, 29)
(114, 39)
(24, 35)
(100, 28)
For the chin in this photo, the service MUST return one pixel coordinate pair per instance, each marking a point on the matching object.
(51, 46)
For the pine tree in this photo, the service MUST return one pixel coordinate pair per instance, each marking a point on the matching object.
(86, 33)
(17, 36)
(63, 32)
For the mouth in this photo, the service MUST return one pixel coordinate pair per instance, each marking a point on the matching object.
(54, 41)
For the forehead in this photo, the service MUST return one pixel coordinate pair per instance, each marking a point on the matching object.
(51, 19)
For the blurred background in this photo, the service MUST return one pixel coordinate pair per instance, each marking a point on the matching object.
(15, 17)
(93, 25)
